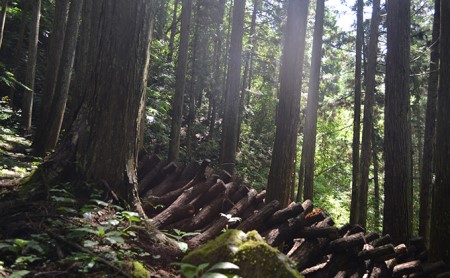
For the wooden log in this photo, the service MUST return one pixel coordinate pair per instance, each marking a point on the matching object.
(206, 216)
(419, 243)
(345, 243)
(307, 252)
(239, 194)
(355, 230)
(190, 171)
(225, 176)
(382, 241)
(371, 237)
(443, 275)
(378, 254)
(380, 270)
(254, 221)
(318, 232)
(147, 165)
(230, 189)
(429, 270)
(401, 251)
(168, 184)
(142, 153)
(284, 214)
(174, 214)
(220, 224)
(312, 218)
(185, 198)
(145, 184)
(285, 232)
(337, 262)
(160, 176)
(407, 268)
(216, 190)
(344, 229)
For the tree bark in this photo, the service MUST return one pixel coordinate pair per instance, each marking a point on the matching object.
(180, 81)
(102, 143)
(173, 30)
(56, 115)
(397, 143)
(368, 114)
(282, 168)
(440, 220)
(27, 104)
(430, 127)
(354, 210)
(3, 20)
(306, 175)
(231, 112)
(54, 59)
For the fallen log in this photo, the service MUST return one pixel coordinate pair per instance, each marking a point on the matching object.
(220, 224)
(254, 221)
(380, 270)
(145, 183)
(146, 165)
(285, 232)
(216, 190)
(407, 268)
(167, 185)
(345, 243)
(282, 215)
(173, 215)
(378, 254)
(429, 270)
(184, 199)
(318, 232)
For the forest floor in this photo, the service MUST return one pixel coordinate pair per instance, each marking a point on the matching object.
(58, 237)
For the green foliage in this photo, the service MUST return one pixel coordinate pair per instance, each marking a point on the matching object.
(206, 271)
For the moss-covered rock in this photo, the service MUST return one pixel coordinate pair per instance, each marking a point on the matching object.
(255, 258)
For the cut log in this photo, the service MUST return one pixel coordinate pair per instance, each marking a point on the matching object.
(345, 243)
(173, 215)
(220, 224)
(380, 270)
(407, 268)
(314, 217)
(337, 262)
(344, 229)
(239, 194)
(254, 221)
(225, 176)
(230, 189)
(185, 198)
(285, 232)
(190, 171)
(167, 185)
(429, 270)
(443, 275)
(378, 254)
(216, 190)
(309, 251)
(382, 241)
(146, 165)
(145, 184)
(207, 215)
(200, 175)
(284, 214)
(419, 243)
(318, 232)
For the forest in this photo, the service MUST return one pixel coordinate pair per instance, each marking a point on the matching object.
(224, 138)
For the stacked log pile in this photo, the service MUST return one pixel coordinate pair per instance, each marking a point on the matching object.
(185, 198)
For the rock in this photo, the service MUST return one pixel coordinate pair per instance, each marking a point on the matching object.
(255, 258)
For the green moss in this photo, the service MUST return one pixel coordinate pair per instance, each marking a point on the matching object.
(139, 271)
(249, 251)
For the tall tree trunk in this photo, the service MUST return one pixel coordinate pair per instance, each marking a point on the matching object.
(3, 20)
(282, 167)
(430, 127)
(27, 104)
(180, 81)
(102, 143)
(354, 210)
(368, 113)
(397, 144)
(310, 130)
(56, 116)
(217, 69)
(19, 47)
(245, 79)
(173, 30)
(231, 112)
(376, 183)
(440, 219)
(54, 59)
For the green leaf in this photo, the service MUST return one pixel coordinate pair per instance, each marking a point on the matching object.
(100, 203)
(21, 242)
(214, 275)
(66, 209)
(90, 243)
(19, 274)
(224, 265)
